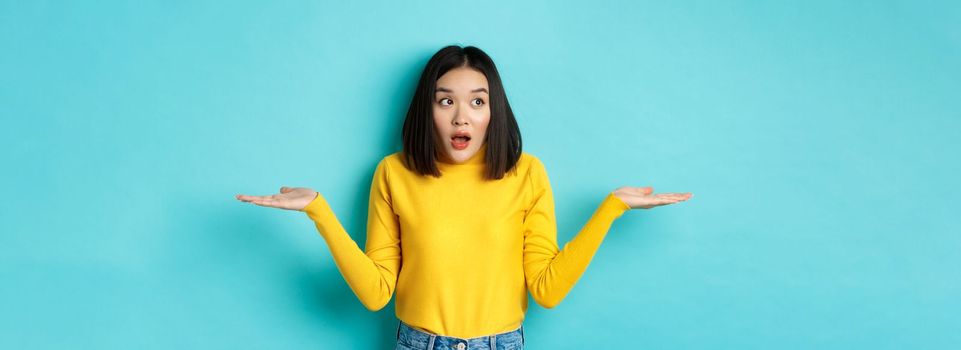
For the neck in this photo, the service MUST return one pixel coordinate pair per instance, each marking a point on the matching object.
(478, 159)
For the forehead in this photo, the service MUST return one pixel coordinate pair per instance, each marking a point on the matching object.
(462, 79)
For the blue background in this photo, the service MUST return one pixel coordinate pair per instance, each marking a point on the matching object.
(820, 140)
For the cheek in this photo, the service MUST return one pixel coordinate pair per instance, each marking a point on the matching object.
(482, 122)
(481, 116)
(439, 120)
(485, 118)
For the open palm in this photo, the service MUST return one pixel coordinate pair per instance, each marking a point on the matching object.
(644, 197)
(295, 198)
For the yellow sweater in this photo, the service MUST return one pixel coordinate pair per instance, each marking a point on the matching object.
(461, 251)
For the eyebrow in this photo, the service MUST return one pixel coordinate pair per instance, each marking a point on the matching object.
(443, 89)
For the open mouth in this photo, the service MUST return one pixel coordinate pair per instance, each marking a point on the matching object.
(460, 140)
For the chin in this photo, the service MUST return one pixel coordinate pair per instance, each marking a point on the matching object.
(461, 155)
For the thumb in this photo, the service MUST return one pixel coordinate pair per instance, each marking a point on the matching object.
(647, 190)
(285, 189)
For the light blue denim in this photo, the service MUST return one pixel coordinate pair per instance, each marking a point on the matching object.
(409, 338)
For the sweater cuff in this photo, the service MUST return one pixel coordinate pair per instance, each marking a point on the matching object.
(613, 207)
(317, 209)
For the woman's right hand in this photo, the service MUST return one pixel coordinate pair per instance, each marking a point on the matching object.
(295, 198)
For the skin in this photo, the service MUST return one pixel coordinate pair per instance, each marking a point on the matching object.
(461, 103)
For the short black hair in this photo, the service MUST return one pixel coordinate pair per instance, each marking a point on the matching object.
(503, 136)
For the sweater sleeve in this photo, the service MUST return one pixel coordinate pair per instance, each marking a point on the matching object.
(551, 273)
(371, 275)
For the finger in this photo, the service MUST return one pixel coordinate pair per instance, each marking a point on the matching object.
(246, 198)
(252, 199)
(674, 195)
(263, 204)
(662, 199)
(672, 198)
(266, 201)
(667, 200)
(271, 201)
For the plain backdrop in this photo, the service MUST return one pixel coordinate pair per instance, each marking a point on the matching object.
(819, 138)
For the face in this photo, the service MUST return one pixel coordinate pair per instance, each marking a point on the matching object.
(461, 113)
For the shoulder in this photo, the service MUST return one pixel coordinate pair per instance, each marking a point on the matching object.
(386, 165)
(392, 159)
(396, 163)
(528, 160)
(531, 165)
(391, 162)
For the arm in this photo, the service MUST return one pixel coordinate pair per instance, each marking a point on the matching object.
(551, 273)
(371, 275)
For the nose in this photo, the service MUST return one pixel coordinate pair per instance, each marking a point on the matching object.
(459, 118)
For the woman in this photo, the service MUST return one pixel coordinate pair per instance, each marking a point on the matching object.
(461, 222)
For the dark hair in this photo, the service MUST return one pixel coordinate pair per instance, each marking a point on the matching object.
(503, 136)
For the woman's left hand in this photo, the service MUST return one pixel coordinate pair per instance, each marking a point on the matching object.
(644, 197)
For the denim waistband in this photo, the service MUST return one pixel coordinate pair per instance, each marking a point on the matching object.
(430, 341)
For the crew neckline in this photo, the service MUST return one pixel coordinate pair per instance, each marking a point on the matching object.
(477, 159)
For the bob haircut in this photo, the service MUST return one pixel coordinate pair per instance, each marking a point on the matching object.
(503, 136)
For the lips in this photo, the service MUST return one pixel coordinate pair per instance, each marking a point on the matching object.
(460, 140)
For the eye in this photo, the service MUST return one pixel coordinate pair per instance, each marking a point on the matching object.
(445, 104)
(481, 102)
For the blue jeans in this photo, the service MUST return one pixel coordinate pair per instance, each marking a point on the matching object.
(409, 338)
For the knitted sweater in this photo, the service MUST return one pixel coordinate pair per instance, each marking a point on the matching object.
(462, 252)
